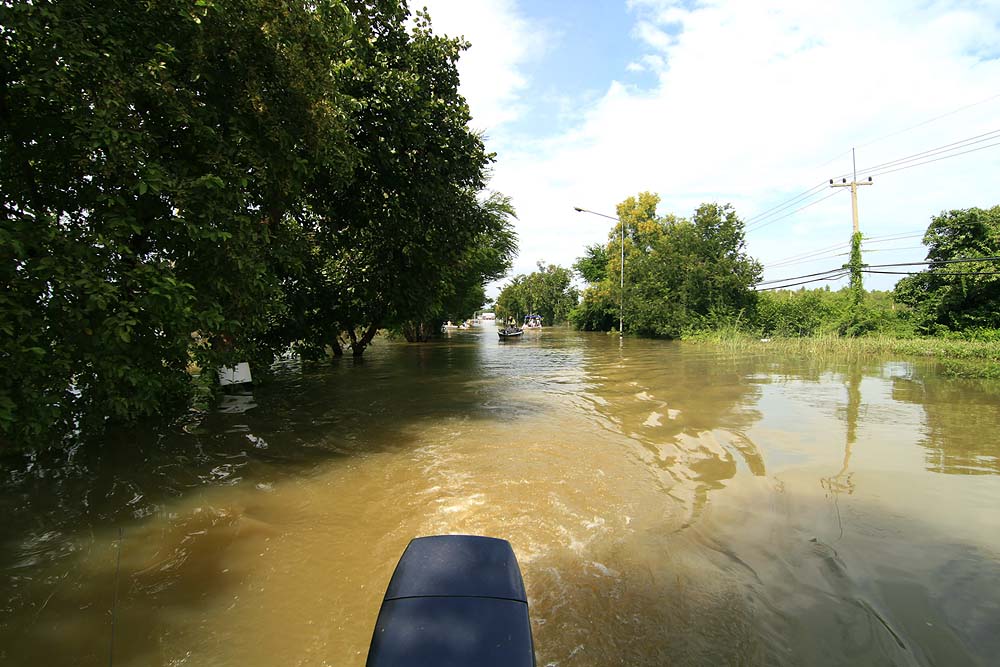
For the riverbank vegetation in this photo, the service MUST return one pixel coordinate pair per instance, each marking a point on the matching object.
(692, 280)
(208, 183)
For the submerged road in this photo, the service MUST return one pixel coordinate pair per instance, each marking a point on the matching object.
(668, 504)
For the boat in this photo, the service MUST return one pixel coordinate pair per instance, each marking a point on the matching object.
(454, 600)
(532, 321)
(510, 332)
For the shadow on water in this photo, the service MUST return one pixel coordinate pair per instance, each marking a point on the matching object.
(62, 509)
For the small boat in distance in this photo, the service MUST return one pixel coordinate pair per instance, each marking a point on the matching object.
(532, 321)
(510, 332)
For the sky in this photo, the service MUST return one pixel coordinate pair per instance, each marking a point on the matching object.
(586, 103)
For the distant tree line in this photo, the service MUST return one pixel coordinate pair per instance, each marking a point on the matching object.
(548, 292)
(200, 182)
(684, 276)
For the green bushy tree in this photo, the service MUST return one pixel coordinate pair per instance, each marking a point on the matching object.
(957, 296)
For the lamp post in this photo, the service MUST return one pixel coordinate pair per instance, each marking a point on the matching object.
(621, 304)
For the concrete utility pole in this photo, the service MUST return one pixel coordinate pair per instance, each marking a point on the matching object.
(855, 263)
(853, 185)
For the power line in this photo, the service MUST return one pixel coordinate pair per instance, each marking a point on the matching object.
(804, 282)
(808, 275)
(790, 213)
(936, 273)
(971, 141)
(889, 171)
(913, 127)
(959, 260)
(809, 253)
(905, 247)
(869, 268)
(785, 204)
(807, 260)
(929, 120)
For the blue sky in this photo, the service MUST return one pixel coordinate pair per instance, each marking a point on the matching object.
(748, 103)
(589, 46)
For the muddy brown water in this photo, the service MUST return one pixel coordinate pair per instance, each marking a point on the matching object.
(668, 504)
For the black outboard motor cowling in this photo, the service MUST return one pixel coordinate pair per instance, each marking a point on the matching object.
(454, 600)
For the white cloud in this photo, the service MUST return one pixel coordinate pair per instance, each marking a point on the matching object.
(751, 99)
(503, 42)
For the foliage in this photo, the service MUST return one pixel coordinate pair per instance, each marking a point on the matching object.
(855, 265)
(593, 266)
(388, 243)
(461, 290)
(959, 358)
(819, 312)
(962, 295)
(548, 292)
(150, 151)
(680, 275)
(191, 181)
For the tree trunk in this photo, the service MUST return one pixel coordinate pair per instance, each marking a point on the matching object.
(358, 346)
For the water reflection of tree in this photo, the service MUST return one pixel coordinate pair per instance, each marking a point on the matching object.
(962, 420)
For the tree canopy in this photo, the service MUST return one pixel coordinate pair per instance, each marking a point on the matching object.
(679, 274)
(959, 295)
(211, 182)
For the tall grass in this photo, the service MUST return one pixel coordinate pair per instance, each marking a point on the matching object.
(962, 358)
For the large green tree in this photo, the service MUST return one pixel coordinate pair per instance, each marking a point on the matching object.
(404, 229)
(679, 274)
(961, 295)
(149, 155)
(195, 181)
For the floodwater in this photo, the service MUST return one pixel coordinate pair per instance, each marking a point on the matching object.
(668, 504)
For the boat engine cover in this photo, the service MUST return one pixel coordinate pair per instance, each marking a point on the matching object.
(454, 600)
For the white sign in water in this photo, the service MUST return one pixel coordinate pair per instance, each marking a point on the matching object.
(238, 374)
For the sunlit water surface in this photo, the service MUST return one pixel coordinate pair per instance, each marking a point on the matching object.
(668, 504)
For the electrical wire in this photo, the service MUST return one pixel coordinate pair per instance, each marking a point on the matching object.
(869, 268)
(935, 273)
(839, 254)
(960, 260)
(808, 275)
(910, 166)
(802, 208)
(955, 145)
(785, 204)
(804, 282)
(929, 120)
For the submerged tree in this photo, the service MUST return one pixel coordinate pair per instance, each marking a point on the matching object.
(209, 182)
(150, 153)
(404, 229)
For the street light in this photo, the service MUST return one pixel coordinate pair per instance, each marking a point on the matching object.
(621, 308)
